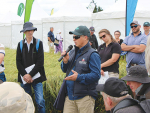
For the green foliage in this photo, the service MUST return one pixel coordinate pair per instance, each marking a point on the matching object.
(97, 8)
(54, 78)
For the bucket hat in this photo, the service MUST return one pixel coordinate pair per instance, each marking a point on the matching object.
(138, 74)
(113, 87)
(81, 30)
(28, 26)
(13, 99)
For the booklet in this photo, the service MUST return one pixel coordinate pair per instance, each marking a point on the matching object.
(103, 79)
(28, 69)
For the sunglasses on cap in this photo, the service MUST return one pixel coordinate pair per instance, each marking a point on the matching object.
(76, 37)
(134, 26)
(102, 36)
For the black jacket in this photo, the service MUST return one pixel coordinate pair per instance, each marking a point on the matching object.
(25, 59)
(94, 42)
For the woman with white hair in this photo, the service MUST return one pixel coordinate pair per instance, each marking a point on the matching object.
(60, 39)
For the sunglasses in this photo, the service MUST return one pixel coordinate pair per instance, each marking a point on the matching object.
(134, 26)
(76, 37)
(102, 36)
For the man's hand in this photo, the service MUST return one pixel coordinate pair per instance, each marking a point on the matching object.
(66, 58)
(72, 77)
(27, 78)
(102, 72)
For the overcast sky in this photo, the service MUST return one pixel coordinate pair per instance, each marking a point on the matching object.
(47, 5)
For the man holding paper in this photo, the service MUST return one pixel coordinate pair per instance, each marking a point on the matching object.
(30, 65)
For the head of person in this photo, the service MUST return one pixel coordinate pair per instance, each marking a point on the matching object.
(146, 26)
(14, 99)
(137, 75)
(51, 29)
(135, 26)
(113, 91)
(28, 29)
(105, 35)
(80, 36)
(59, 31)
(92, 30)
(117, 34)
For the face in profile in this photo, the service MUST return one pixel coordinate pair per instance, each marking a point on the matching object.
(133, 85)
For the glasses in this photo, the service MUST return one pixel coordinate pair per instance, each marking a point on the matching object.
(134, 26)
(102, 36)
(76, 37)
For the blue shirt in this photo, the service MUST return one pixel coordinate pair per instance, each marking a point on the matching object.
(51, 36)
(94, 65)
(147, 35)
(135, 58)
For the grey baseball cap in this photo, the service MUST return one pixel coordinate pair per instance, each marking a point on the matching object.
(28, 26)
(81, 30)
(135, 22)
(146, 24)
(138, 74)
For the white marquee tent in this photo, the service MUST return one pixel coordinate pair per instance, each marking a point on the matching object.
(37, 14)
(69, 16)
(5, 28)
(113, 18)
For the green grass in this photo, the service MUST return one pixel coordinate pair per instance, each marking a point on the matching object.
(54, 76)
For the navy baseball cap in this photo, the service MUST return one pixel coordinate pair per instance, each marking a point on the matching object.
(146, 24)
(81, 30)
(113, 87)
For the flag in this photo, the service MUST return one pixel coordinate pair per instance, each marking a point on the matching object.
(130, 11)
(91, 7)
(28, 9)
(20, 9)
(52, 11)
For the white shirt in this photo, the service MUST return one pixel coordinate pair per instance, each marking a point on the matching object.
(28, 45)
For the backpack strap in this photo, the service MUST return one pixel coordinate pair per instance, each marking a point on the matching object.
(125, 103)
(37, 44)
(21, 45)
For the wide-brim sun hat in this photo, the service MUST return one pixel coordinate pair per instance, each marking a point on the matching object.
(28, 26)
(13, 99)
(138, 74)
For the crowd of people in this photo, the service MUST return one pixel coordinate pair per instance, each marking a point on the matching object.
(84, 65)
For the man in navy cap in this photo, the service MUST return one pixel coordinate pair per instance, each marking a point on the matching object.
(30, 65)
(146, 27)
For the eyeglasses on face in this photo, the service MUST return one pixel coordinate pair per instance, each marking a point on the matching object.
(102, 36)
(134, 26)
(76, 37)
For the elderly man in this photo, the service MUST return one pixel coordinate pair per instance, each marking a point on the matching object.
(115, 92)
(93, 39)
(146, 27)
(51, 38)
(82, 68)
(139, 82)
(135, 45)
(30, 65)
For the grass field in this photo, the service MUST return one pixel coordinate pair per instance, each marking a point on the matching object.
(54, 76)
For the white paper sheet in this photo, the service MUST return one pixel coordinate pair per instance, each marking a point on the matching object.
(103, 79)
(28, 69)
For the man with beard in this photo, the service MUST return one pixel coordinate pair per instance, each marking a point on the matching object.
(135, 45)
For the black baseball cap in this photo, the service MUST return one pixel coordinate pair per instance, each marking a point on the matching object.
(81, 30)
(113, 87)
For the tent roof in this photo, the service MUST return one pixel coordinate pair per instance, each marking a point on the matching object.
(8, 17)
(72, 10)
(118, 10)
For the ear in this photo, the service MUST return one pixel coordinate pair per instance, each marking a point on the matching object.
(109, 101)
